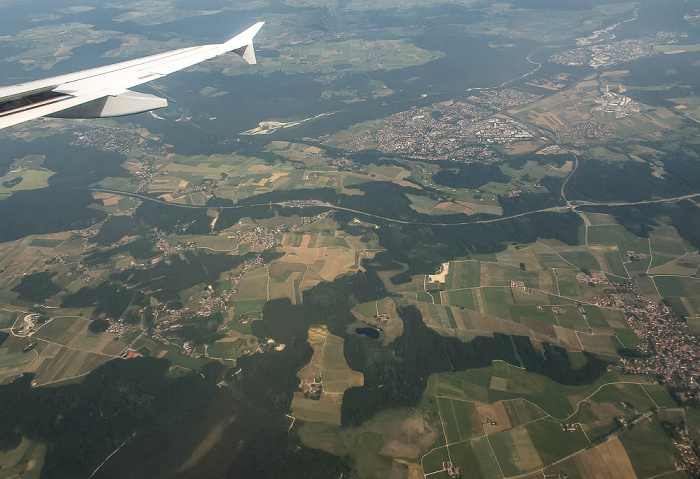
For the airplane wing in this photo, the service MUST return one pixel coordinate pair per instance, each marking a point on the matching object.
(104, 91)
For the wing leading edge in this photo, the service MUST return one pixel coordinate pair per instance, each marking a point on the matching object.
(104, 91)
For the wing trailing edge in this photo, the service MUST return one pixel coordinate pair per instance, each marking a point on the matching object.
(127, 103)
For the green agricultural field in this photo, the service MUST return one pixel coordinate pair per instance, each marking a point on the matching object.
(467, 274)
(297, 291)
(12, 356)
(515, 452)
(692, 305)
(45, 243)
(661, 259)
(581, 259)
(682, 294)
(323, 56)
(595, 317)
(602, 344)
(404, 434)
(649, 450)
(664, 241)
(175, 356)
(253, 286)
(342, 242)
(502, 275)
(26, 460)
(451, 317)
(227, 349)
(678, 306)
(119, 184)
(449, 420)
(599, 219)
(521, 412)
(501, 296)
(57, 364)
(56, 330)
(552, 443)
(243, 329)
(614, 261)
(31, 180)
(432, 462)
(280, 271)
(328, 363)
(368, 310)
(525, 254)
(638, 268)
(73, 332)
(660, 395)
(8, 318)
(498, 301)
(544, 314)
(560, 300)
(467, 417)
(634, 397)
(522, 434)
(678, 286)
(486, 461)
(693, 422)
(686, 265)
(144, 343)
(530, 297)
(437, 316)
(570, 287)
(627, 337)
(426, 205)
(240, 307)
(616, 235)
(475, 457)
(463, 298)
(546, 394)
(549, 259)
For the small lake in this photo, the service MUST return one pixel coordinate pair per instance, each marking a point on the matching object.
(372, 333)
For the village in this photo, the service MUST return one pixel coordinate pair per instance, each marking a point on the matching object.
(667, 351)
(121, 139)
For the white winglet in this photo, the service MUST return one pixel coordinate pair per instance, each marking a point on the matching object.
(242, 44)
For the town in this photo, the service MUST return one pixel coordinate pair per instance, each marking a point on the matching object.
(619, 105)
(614, 52)
(503, 99)
(451, 130)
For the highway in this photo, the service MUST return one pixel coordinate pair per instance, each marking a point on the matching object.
(315, 203)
